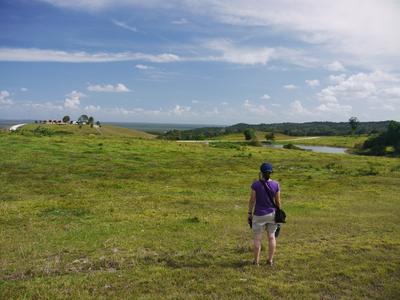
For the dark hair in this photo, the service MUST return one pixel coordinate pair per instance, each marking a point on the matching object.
(266, 175)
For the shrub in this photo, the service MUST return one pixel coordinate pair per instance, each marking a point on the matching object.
(43, 131)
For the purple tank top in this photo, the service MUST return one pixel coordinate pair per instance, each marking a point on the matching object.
(264, 204)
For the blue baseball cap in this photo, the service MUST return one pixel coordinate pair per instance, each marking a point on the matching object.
(266, 167)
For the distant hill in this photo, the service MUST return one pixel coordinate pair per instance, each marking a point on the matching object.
(292, 129)
(104, 130)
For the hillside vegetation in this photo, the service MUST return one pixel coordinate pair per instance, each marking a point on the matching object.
(291, 129)
(124, 218)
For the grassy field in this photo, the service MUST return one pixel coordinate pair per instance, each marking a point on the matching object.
(334, 141)
(91, 216)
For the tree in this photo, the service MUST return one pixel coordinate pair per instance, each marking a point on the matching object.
(249, 134)
(98, 123)
(66, 119)
(393, 135)
(83, 119)
(270, 136)
(91, 121)
(353, 122)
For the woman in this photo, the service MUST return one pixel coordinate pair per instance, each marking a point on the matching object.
(261, 212)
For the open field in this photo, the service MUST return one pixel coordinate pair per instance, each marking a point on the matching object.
(91, 216)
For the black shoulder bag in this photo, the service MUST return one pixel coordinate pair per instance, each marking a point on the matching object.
(280, 216)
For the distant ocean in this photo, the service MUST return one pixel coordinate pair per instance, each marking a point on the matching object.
(160, 127)
(8, 123)
(150, 127)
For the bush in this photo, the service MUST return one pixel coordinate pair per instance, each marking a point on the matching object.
(249, 134)
(292, 147)
(43, 131)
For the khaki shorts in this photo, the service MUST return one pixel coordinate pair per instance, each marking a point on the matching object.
(260, 222)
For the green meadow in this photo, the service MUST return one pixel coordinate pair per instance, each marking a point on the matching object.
(102, 216)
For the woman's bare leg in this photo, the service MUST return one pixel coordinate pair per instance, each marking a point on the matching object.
(257, 247)
(271, 247)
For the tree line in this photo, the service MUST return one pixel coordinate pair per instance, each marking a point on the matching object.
(292, 129)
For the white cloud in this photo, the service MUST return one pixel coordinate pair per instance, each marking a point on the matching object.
(23, 89)
(125, 26)
(92, 108)
(266, 97)
(361, 86)
(5, 98)
(393, 92)
(367, 91)
(180, 21)
(232, 54)
(312, 82)
(179, 110)
(49, 55)
(44, 107)
(118, 88)
(298, 108)
(290, 86)
(366, 30)
(195, 101)
(224, 103)
(143, 67)
(335, 66)
(73, 100)
(337, 78)
(222, 51)
(335, 108)
(254, 108)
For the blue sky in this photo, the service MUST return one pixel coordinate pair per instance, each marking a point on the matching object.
(206, 62)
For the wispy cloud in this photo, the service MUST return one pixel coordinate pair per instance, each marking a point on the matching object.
(125, 26)
(48, 55)
(312, 82)
(369, 35)
(108, 88)
(143, 67)
(238, 55)
(180, 21)
(335, 66)
(290, 87)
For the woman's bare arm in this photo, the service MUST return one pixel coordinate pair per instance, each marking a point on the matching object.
(278, 199)
(252, 201)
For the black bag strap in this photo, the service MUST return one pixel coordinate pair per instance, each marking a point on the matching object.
(269, 193)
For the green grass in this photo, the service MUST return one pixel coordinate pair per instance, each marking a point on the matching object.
(85, 130)
(333, 141)
(90, 216)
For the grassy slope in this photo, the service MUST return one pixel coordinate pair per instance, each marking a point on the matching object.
(105, 130)
(100, 217)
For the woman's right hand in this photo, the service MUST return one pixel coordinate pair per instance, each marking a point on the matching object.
(250, 220)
